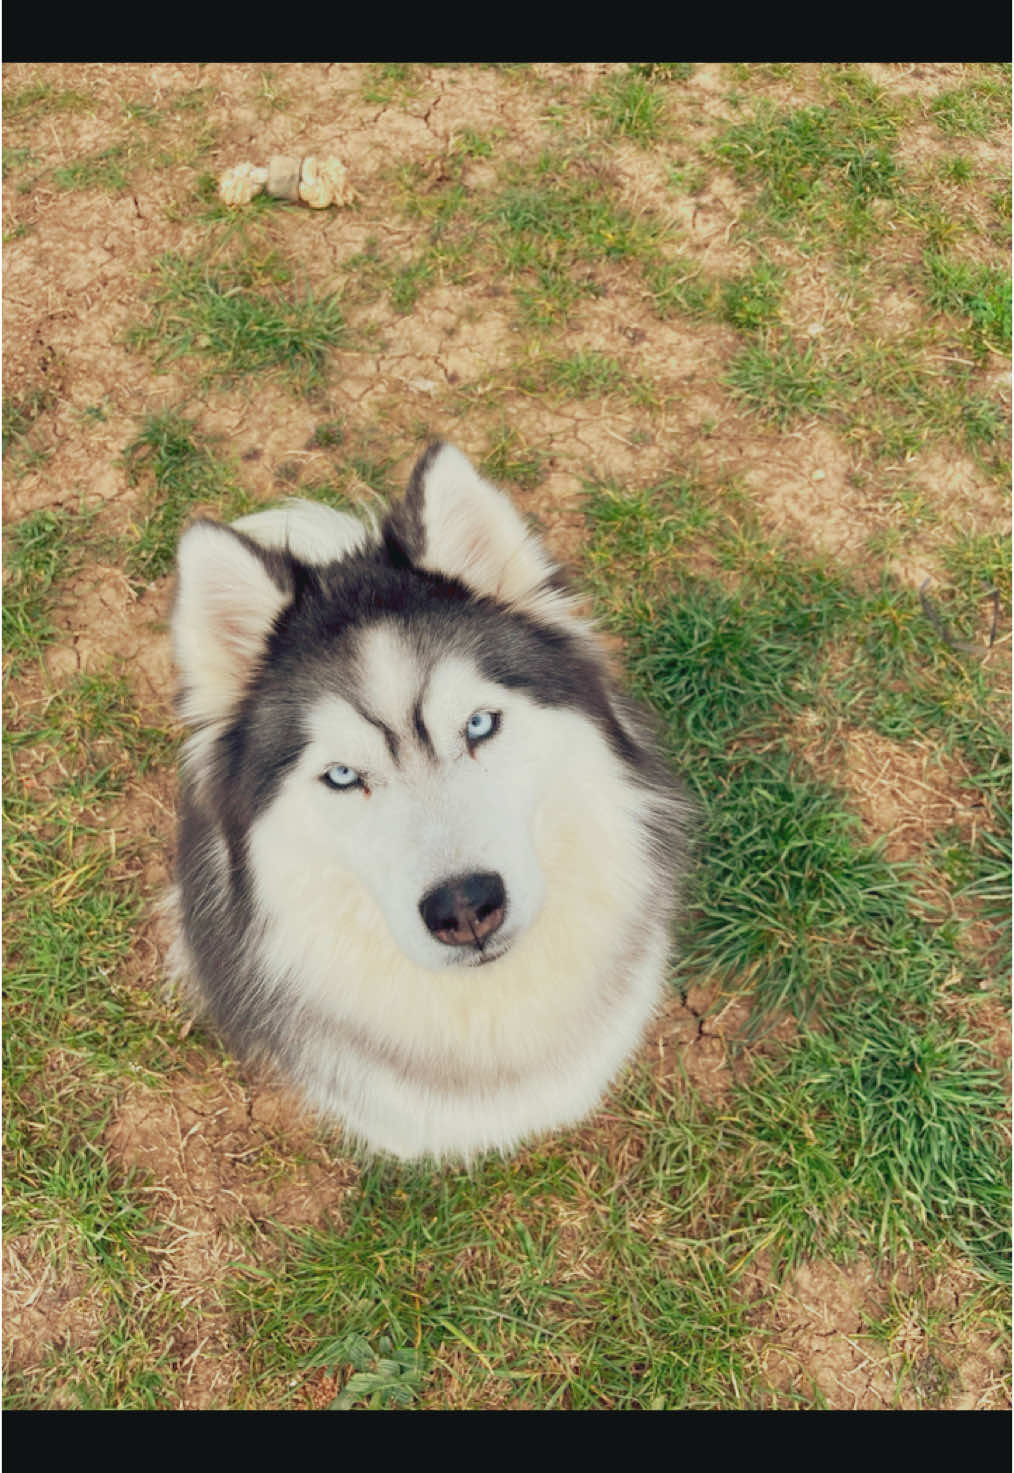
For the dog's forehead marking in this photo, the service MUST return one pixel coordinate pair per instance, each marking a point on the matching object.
(455, 683)
(402, 699)
(390, 677)
(397, 688)
(337, 732)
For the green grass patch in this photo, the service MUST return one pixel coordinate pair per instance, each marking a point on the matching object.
(472, 145)
(878, 1126)
(680, 285)
(980, 293)
(470, 1278)
(510, 461)
(21, 414)
(239, 317)
(576, 216)
(329, 435)
(17, 158)
(370, 275)
(976, 109)
(74, 905)
(182, 472)
(957, 169)
(889, 397)
(39, 98)
(433, 193)
(664, 71)
(979, 563)
(101, 170)
(74, 1030)
(390, 81)
(750, 302)
(40, 551)
(881, 1128)
(984, 424)
(817, 168)
(894, 399)
(132, 1365)
(373, 470)
(586, 375)
(644, 529)
(102, 740)
(554, 222)
(897, 397)
(72, 1198)
(407, 284)
(905, 676)
(782, 381)
(788, 888)
(630, 106)
(989, 890)
(1000, 225)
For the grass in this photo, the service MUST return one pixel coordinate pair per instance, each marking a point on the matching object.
(509, 461)
(516, 1328)
(973, 110)
(750, 302)
(827, 1086)
(630, 106)
(73, 1035)
(183, 473)
(878, 1120)
(143, 137)
(39, 554)
(664, 71)
(472, 144)
(101, 170)
(821, 164)
(782, 381)
(585, 375)
(241, 317)
(980, 293)
(404, 281)
(574, 216)
(38, 98)
(892, 399)
(554, 222)
(680, 286)
(388, 81)
(791, 904)
(20, 414)
(16, 158)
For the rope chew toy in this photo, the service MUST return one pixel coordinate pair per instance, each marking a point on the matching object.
(317, 182)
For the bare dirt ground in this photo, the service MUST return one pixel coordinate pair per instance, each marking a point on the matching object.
(75, 272)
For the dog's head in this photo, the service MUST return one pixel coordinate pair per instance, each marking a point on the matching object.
(414, 713)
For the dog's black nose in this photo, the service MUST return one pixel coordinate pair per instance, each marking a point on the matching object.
(465, 911)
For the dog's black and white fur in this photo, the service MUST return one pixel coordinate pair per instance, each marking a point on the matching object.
(427, 852)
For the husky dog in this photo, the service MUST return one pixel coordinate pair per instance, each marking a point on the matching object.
(427, 853)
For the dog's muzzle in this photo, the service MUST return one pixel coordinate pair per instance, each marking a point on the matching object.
(465, 911)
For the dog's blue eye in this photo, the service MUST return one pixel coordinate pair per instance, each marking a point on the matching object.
(342, 777)
(482, 724)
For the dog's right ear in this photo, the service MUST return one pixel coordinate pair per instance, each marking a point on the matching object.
(455, 522)
(229, 592)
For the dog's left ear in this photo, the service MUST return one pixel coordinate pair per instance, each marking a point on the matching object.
(229, 592)
(454, 522)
